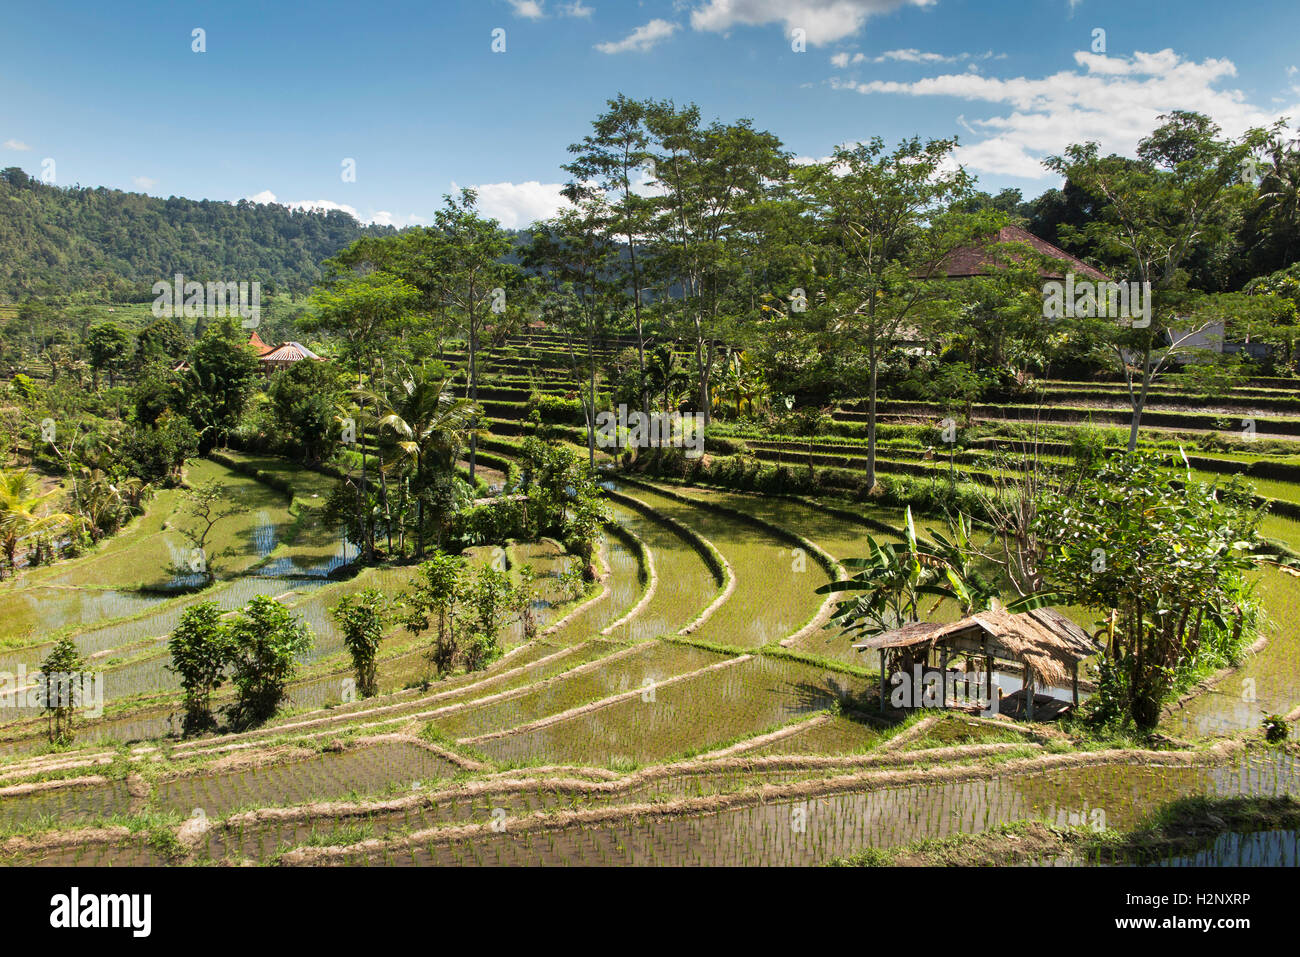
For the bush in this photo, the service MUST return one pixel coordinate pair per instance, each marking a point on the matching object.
(1275, 729)
(265, 642)
(559, 411)
(60, 673)
(158, 452)
(498, 522)
(806, 421)
(1087, 446)
(469, 610)
(361, 618)
(200, 649)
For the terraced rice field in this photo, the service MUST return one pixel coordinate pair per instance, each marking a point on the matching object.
(813, 830)
(688, 709)
(737, 698)
(684, 587)
(774, 591)
(368, 770)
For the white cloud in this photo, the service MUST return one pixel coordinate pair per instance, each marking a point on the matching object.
(536, 9)
(517, 205)
(16, 145)
(382, 217)
(823, 21)
(528, 9)
(144, 182)
(327, 204)
(1114, 101)
(641, 39)
(912, 55)
(385, 218)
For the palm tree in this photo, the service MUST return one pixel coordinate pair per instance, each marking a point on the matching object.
(101, 504)
(24, 511)
(665, 375)
(429, 427)
(1279, 194)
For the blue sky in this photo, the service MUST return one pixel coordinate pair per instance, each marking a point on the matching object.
(284, 93)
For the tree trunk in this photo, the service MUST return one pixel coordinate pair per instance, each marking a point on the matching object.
(591, 408)
(871, 415)
(419, 511)
(363, 511)
(1140, 400)
(473, 392)
(640, 328)
(388, 512)
(1135, 424)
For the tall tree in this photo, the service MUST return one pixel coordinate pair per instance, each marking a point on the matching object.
(606, 167)
(221, 376)
(478, 282)
(362, 308)
(109, 348)
(575, 252)
(1153, 210)
(431, 427)
(709, 180)
(886, 234)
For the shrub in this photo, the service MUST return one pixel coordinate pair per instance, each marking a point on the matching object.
(560, 411)
(200, 649)
(265, 642)
(471, 610)
(361, 618)
(1168, 557)
(1087, 446)
(1275, 729)
(59, 673)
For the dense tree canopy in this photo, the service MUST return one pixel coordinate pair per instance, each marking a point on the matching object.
(115, 245)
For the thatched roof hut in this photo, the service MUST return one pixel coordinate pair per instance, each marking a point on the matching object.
(1046, 644)
(1044, 641)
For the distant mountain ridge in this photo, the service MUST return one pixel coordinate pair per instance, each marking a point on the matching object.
(114, 245)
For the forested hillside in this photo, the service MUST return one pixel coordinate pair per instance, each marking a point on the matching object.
(113, 245)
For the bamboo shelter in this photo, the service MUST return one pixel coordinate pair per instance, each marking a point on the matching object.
(1044, 643)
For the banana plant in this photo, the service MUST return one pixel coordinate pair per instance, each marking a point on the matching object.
(889, 585)
(894, 578)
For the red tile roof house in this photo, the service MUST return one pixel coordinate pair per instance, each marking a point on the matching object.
(256, 342)
(984, 259)
(970, 261)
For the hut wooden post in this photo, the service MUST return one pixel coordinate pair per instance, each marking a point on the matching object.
(943, 679)
(1029, 693)
(1075, 683)
(988, 676)
(882, 680)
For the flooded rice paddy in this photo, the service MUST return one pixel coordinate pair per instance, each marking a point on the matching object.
(610, 687)
(816, 830)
